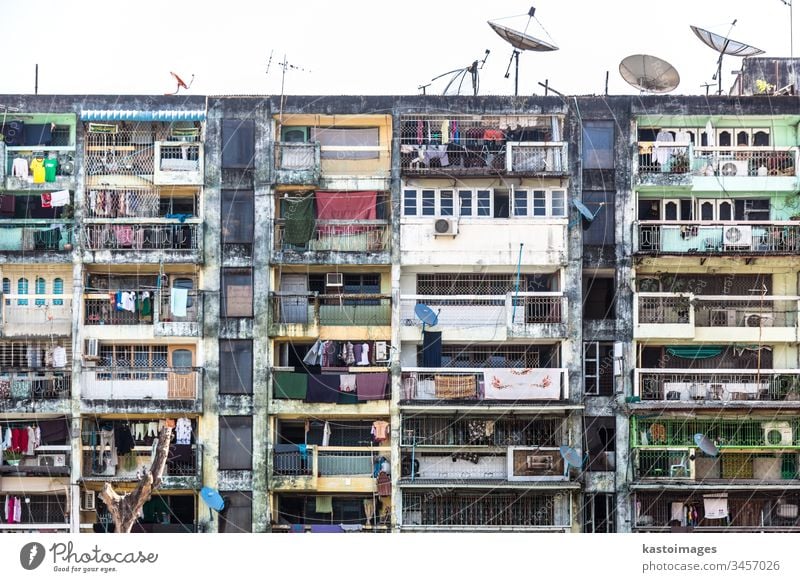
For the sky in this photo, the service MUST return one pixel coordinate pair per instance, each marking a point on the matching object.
(351, 47)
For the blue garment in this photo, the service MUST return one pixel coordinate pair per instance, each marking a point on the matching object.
(179, 217)
(303, 452)
(118, 301)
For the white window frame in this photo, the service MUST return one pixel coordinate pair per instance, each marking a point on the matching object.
(716, 203)
(456, 202)
(530, 197)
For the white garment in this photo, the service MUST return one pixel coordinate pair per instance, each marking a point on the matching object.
(347, 383)
(6, 444)
(715, 507)
(59, 198)
(326, 434)
(19, 168)
(128, 301)
(59, 357)
(183, 431)
(662, 153)
(678, 512)
(364, 355)
(177, 301)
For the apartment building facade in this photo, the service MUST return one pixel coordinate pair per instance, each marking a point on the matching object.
(401, 313)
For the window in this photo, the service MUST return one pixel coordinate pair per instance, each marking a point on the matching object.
(598, 298)
(238, 212)
(715, 209)
(235, 443)
(601, 230)
(600, 433)
(598, 513)
(497, 356)
(40, 287)
(237, 517)
(598, 145)
(428, 203)
(540, 203)
(409, 202)
(465, 200)
(22, 289)
(484, 203)
(446, 203)
(238, 143)
(598, 369)
(520, 203)
(7, 288)
(236, 366)
(58, 289)
(136, 356)
(237, 293)
(334, 142)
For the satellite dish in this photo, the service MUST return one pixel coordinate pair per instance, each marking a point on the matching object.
(457, 84)
(706, 445)
(426, 315)
(587, 216)
(724, 46)
(521, 41)
(181, 83)
(572, 458)
(212, 498)
(649, 73)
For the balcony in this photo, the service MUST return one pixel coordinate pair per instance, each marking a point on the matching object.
(716, 318)
(352, 238)
(708, 238)
(49, 461)
(488, 317)
(182, 471)
(307, 315)
(33, 237)
(36, 315)
(170, 389)
(39, 391)
(479, 387)
(325, 469)
(40, 513)
(488, 434)
(717, 388)
(771, 435)
(297, 164)
(178, 163)
(100, 310)
(747, 512)
(722, 168)
(136, 237)
(438, 509)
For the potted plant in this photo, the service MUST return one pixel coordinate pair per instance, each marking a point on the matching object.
(12, 457)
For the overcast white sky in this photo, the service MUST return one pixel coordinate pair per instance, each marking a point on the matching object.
(362, 47)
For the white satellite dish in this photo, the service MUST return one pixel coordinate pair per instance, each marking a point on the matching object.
(649, 74)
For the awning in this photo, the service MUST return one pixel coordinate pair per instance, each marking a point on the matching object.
(165, 115)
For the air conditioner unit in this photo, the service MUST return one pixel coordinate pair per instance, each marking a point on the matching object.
(759, 319)
(777, 433)
(92, 348)
(334, 280)
(88, 501)
(722, 318)
(445, 227)
(738, 236)
(732, 168)
(52, 460)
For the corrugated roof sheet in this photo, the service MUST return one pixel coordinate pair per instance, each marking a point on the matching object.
(138, 115)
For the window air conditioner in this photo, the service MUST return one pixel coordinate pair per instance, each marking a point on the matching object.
(759, 319)
(52, 460)
(334, 280)
(88, 501)
(445, 227)
(722, 318)
(777, 433)
(732, 167)
(740, 237)
(92, 348)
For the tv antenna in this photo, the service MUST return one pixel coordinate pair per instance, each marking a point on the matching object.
(791, 27)
(521, 41)
(707, 85)
(649, 74)
(181, 83)
(285, 65)
(456, 83)
(724, 45)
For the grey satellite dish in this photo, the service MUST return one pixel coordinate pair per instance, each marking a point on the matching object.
(572, 458)
(724, 46)
(426, 315)
(586, 215)
(457, 85)
(649, 73)
(706, 445)
(520, 41)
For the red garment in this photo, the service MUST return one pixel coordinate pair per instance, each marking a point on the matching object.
(46, 202)
(19, 440)
(346, 205)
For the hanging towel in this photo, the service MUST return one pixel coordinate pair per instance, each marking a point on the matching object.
(290, 385)
(59, 198)
(326, 434)
(322, 388)
(177, 301)
(347, 382)
(59, 357)
(715, 507)
(324, 504)
(299, 215)
(47, 200)
(145, 306)
(371, 386)
(432, 349)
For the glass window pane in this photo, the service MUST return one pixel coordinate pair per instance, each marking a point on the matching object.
(238, 216)
(40, 290)
(428, 203)
(520, 203)
(598, 144)
(182, 359)
(409, 202)
(238, 143)
(558, 202)
(465, 197)
(338, 137)
(539, 203)
(237, 293)
(446, 203)
(238, 514)
(235, 366)
(601, 230)
(484, 203)
(22, 289)
(235, 442)
(58, 289)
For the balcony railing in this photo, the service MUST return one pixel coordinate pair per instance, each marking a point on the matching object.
(42, 235)
(178, 162)
(485, 510)
(48, 461)
(45, 510)
(97, 465)
(718, 310)
(101, 309)
(168, 323)
(751, 511)
(34, 385)
(344, 309)
(485, 156)
(42, 314)
(716, 238)
(441, 431)
(689, 464)
(139, 202)
(342, 236)
(710, 386)
(664, 157)
(297, 157)
(118, 383)
(289, 460)
(768, 434)
(136, 236)
(488, 385)
(720, 161)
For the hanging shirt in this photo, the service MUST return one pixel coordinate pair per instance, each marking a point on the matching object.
(129, 301)
(364, 355)
(50, 167)
(183, 431)
(380, 430)
(19, 168)
(37, 169)
(145, 307)
(47, 200)
(31, 444)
